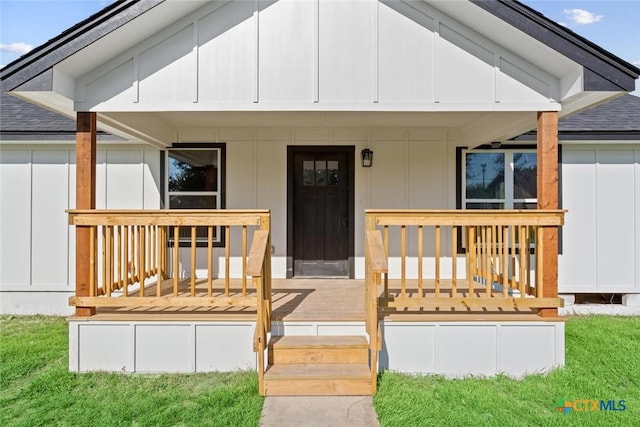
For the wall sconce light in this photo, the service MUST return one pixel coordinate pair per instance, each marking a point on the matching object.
(367, 158)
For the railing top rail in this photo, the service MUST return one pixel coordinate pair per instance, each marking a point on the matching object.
(187, 217)
(462, 217)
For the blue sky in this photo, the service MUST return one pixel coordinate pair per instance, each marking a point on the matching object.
(612, 24)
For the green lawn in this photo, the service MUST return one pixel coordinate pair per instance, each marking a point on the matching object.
(602, 362)
(36, 388)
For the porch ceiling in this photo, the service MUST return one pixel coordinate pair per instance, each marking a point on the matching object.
(164, 128)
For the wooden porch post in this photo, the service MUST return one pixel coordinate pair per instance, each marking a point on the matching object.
(547, 149)
(85, 199)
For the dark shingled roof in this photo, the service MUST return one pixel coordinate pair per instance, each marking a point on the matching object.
(615, 120)
(620, 114)
(21, 120)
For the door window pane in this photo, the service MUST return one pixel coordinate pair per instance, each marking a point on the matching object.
(332, 167)
(321, 172)
(308, 173)
(525, 171)
(484, 175)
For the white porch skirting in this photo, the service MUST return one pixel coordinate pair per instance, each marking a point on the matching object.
(452, 349)
(483, 348)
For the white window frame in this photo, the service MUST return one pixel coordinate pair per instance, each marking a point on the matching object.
(218, 193)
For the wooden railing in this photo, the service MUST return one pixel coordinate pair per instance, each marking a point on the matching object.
(502, 251)
(135, 261)
(130, 251)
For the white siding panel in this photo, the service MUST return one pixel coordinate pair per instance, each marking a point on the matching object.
(577, 264)
(406, 43)
(271, 188)
(346, 48)
(151, 178)
(165, 348)
(464, 69)
(15, 218)
(115, 86)
(227, 54)
(287, 58)
(616, 220)
(224, 347)
(466, 349)
(515, 84)
(49, 219)
(124, 179)
(101, 179)
(167, 70)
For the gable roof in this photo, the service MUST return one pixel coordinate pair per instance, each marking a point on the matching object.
(603, 70)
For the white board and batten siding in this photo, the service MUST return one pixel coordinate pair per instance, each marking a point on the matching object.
(601, 238)
(37, 248)
(317, 55)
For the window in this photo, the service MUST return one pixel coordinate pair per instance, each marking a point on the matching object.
(499, 179)
(195, 180)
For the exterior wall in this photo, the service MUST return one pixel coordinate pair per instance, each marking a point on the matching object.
(601, 238)
(294, 55)
(37, 246)
(412, 168)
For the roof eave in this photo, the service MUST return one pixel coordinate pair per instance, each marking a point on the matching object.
(603, 70)
(39, 61)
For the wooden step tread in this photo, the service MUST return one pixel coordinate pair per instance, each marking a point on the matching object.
(318, 372)
(326, 341)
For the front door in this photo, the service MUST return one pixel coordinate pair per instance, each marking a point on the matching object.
(321, 211)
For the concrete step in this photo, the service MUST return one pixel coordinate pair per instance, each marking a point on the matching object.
(324, 379)
(318, 349)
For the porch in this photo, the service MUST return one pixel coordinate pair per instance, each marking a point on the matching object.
(317, 336)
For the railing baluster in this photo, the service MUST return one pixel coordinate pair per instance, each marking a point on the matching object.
(437, 261)
(420, 255)
(93, 288)
(125, 257)
(505, 260)
(142, 257)
(471, 258)
(103, 248)
(488, 254)
(403, 260)
(523, 263)
(528, 247)
(210, 261)
(158, 245)
(386, 253)
(176, 259)
(227, 257)
(244, 260)
(454, 261)
(193, 260)
(514, 270)
(539, 264)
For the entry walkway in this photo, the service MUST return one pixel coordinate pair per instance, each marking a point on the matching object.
(318, 411)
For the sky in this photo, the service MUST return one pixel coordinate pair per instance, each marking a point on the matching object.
(612, 24)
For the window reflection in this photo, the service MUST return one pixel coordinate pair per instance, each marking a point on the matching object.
(484, 175)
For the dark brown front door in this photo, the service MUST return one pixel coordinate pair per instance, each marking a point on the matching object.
(321, 211)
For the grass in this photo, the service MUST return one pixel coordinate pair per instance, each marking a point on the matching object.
(36, 388)
(602, 362)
